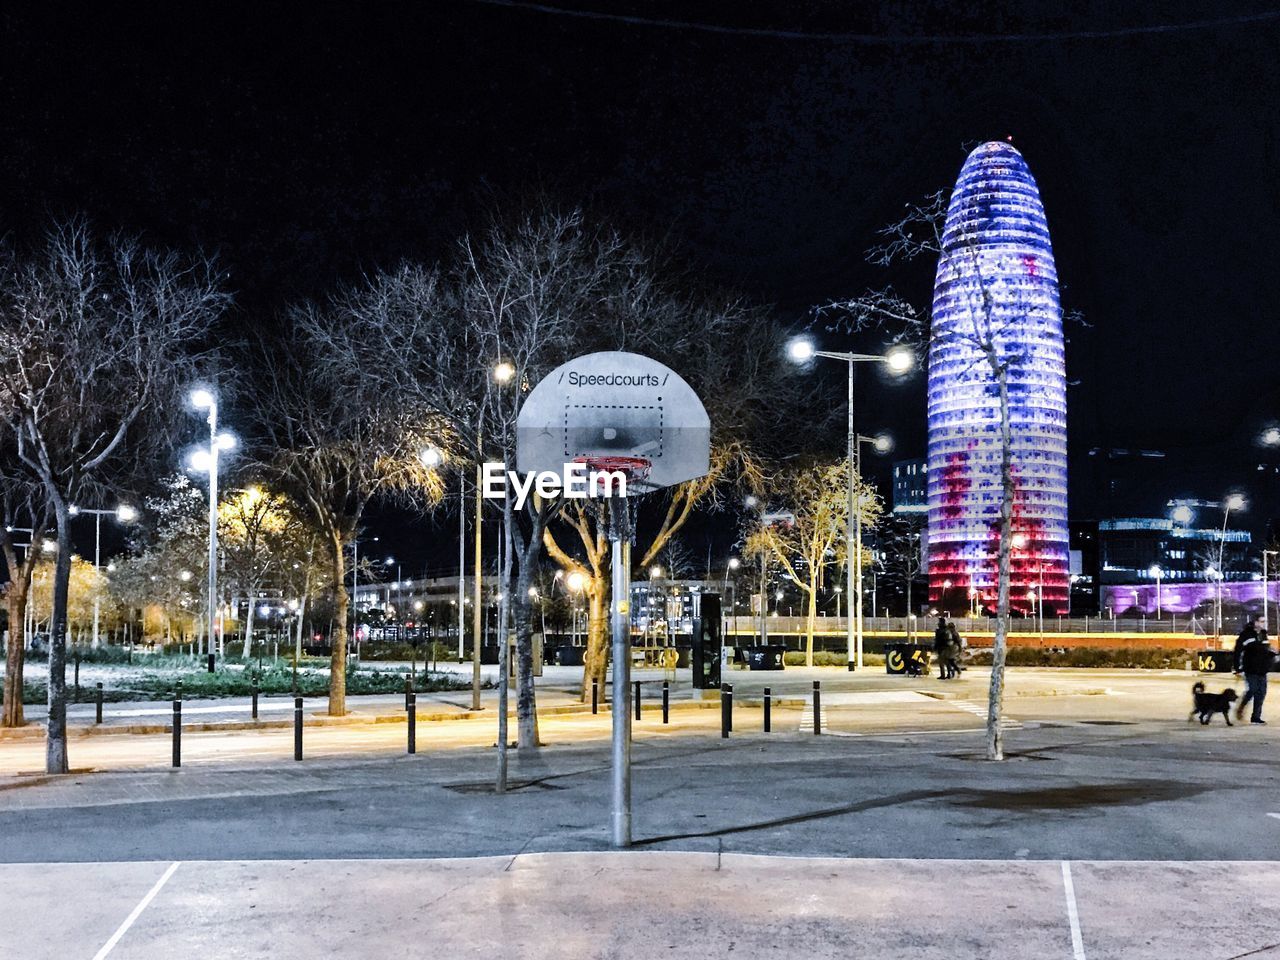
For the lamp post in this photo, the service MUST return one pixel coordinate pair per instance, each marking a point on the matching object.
(1266, 617)
(125, 514)
(898, 360)
(355, 585)
(1233, 502)
(1158, 572)
(201, 460)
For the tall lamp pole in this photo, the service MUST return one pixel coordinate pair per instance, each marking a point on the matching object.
(1158, 572)
(1234, 502)
(898, 360)
(1266, 616)
(201, 460)
(125, 514)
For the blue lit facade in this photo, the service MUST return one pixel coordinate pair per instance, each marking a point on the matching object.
(996, 273)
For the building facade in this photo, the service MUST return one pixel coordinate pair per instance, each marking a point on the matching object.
(996, 287)
(911, 486)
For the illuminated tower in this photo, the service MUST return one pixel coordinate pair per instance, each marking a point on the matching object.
(997, 284)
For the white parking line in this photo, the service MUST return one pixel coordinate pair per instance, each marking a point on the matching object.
(1274, 815)
(137, 912)
(1073, 916)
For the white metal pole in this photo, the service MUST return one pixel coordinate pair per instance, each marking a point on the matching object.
(620, 709)
(853, 551)
(213, 523)
(462, 560)
(97, 568)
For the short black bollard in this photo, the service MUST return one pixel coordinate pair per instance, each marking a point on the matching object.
(178, 691)
(97, 705)
(666, 701)
(177, 731)
(297, 728)
(726, 710)
(817, 707)
(637, 698)
(255, 700)
(408, 690)
(768, 710)
(210, 667)
(413, 722)
(595, 696)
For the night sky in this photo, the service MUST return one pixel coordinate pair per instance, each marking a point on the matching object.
(307, 146)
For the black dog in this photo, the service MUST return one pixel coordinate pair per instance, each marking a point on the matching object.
(1207, 704)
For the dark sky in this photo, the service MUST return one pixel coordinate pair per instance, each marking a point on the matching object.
(305, 145)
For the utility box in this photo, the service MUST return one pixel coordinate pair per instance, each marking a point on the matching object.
(708, 626)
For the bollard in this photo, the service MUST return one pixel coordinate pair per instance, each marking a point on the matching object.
(666, 702)
(637, 698)
(77, 680)
(178, 692)
(210, 666)
(255, 700)
(595, 696)
(408, 690)
(177, 731)
(726, 710)
(768, 710)
(413, 722)
(297, 728)
(97, 710)
(817, 707)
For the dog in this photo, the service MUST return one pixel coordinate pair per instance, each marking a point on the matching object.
(1207, 704)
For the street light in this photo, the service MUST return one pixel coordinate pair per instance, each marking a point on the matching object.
(898, 360)
(503, 372)
(125, 514)
(1156, 571)
(202, 460)
(1266, 617)
(1233, 501)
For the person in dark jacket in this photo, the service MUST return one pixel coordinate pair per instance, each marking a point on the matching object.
(1249, 632)
(941, 637)
(954, 646)
(1256, 658)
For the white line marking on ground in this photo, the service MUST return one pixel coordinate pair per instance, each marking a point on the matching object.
(137, 912)
(1275, 815)
(1077, 942)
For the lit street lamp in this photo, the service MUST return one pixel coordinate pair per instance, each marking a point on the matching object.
(1234, 501)
(125, 514)
(206, 459)
(1157, 572)
(898, 361)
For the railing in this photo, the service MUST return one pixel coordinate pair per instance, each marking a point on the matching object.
(924, 626)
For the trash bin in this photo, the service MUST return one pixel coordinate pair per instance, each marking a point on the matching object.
(906, 659)
(765, 658)
(1215, 661)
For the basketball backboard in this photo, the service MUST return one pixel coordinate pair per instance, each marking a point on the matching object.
(615, 404)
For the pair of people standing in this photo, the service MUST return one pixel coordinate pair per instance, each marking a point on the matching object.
(1254, 658)
(946, 647)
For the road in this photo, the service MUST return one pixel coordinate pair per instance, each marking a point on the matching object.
(885, 836)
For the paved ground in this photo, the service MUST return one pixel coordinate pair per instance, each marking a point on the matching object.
(1104, 772)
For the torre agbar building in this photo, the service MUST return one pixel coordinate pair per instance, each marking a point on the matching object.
(997, 285)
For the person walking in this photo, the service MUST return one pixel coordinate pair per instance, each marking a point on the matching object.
(954, 645)
(941, 638)
(1255, 661)
(1249, 632)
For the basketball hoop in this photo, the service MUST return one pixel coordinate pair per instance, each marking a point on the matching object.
(635, 469)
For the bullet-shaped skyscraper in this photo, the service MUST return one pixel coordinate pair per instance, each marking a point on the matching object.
(997, 284)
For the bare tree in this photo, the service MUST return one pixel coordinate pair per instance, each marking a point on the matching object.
(814, 502)
(901, 539)
(98, 340)
(332, 435)
(21, 504)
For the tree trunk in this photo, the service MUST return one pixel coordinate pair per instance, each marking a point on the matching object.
(15, 657)
(526, 701)
(248, 628)
(338, 634)
(55, 750)
(595, 658)
(811, 625)
(995, 696)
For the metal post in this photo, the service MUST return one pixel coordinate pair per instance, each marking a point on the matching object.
(595, 695)
(666, 701)
(637, 699)
(768, 710)
(726, 710)
(621, 745)
(408, 690)
(213, 528)
(412, 708)
(255, 700)
(297, 727)
(97, 712)
(477, 599)
(177, 730)
(462, 563)
(853, 546)
(817, 707)
(97, 568)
